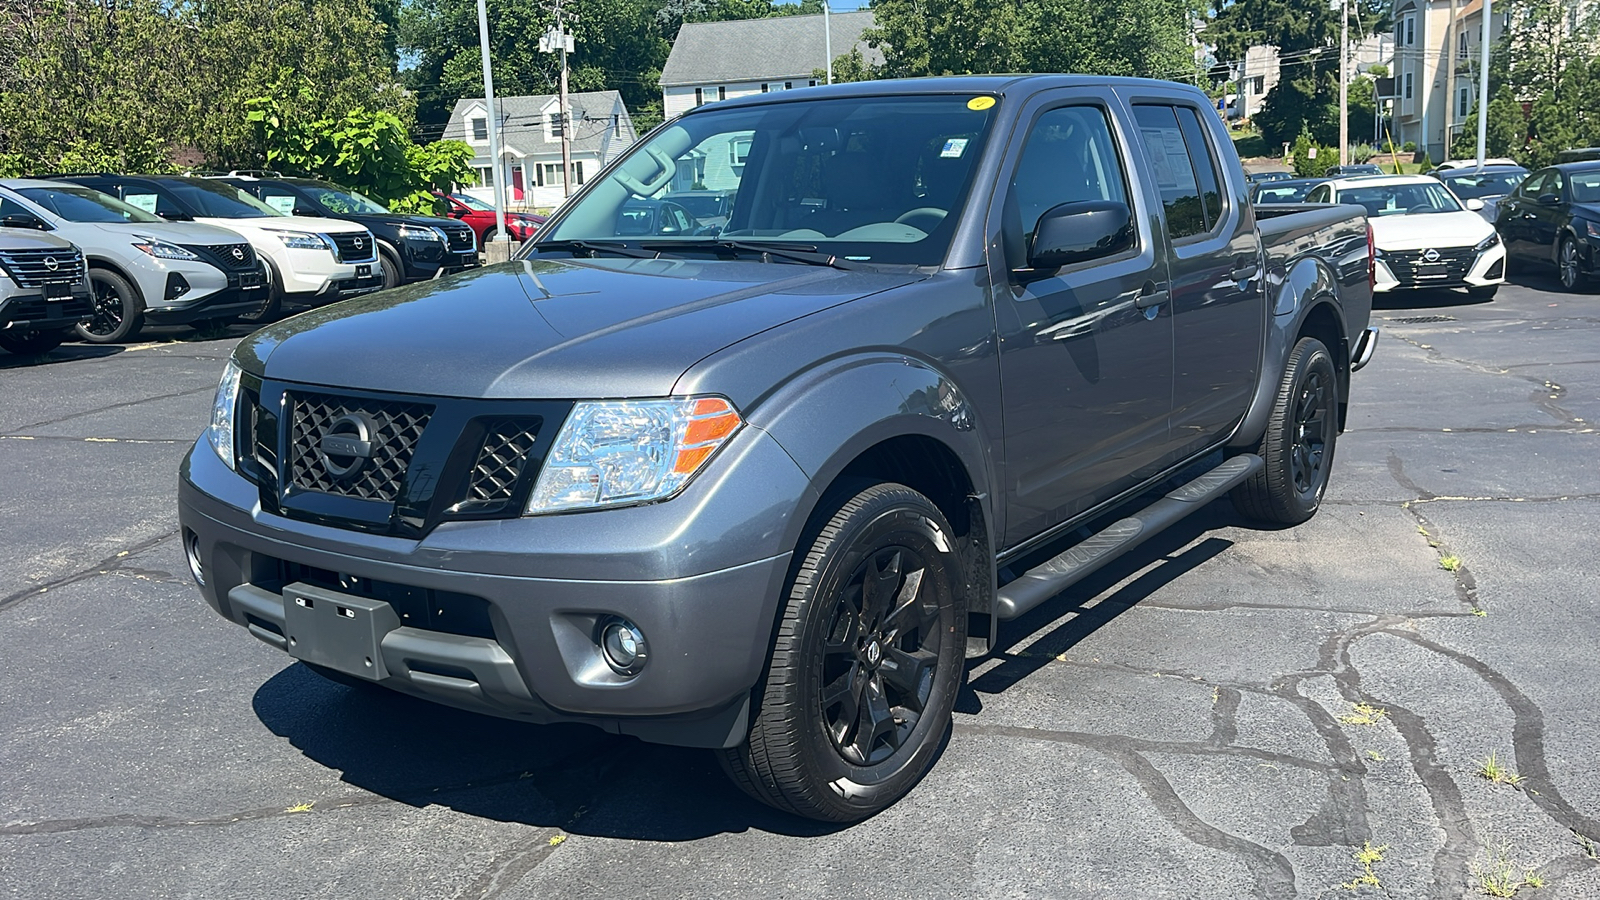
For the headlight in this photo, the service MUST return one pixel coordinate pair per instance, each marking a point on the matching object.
(1594, 229)
(419, 233)
(220, 432)
(615, 452)
(301, 240)
(161, 249)
(1494, 239)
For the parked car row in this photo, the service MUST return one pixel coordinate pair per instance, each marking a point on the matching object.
(180, 249)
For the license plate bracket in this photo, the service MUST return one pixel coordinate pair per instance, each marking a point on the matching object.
(364, 271)
(57, 291)
(340, 631)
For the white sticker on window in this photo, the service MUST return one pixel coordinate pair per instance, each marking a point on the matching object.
(953, 148)
(1169, 158)
(146, 202)
(283, 205)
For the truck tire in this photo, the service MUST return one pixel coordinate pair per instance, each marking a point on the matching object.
(118, 311)
(1299, 442)
(32, 343)
(866, 664)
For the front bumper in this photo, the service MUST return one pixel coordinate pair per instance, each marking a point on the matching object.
(1394, 272)
(528, 650)
(246, 292)
(29, 309)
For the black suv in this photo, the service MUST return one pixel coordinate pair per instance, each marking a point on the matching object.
(413, 248)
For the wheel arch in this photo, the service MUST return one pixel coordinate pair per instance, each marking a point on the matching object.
(106, 264)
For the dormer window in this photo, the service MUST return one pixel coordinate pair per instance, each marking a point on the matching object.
(480, 128)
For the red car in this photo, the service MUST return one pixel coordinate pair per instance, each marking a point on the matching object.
(480, 216)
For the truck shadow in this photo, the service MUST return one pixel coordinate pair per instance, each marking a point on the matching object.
(584, 781)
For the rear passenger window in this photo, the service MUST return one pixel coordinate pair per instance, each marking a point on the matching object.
(1185, 172)
(1069, 157)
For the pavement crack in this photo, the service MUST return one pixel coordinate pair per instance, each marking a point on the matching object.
(132, 820)
(113, 563)
(510, 865)
(123, 405)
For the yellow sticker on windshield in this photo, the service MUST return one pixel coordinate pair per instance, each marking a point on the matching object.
(980, 103)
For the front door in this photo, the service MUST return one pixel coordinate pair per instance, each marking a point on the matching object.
(1086, 350)
(1517, 215)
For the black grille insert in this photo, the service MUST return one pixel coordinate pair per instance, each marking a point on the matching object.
(501, 460)
(387, 431)
(1414, 267)
(37, 268)
(461, 237)
(238, 257)
(355, 246)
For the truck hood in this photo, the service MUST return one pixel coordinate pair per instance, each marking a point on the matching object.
(1430, 230)
(549, 329)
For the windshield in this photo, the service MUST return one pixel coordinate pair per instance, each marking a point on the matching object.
(472, 202)
(703, 206)
(1401, 199)
(1284, 192)
(1485, 184)
(216, 200)
(345, 202)
(79, 204)
(870, 179)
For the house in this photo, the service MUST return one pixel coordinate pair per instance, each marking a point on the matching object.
(1261, 69)
(713, 61)
(1436, 41)
(530, 142)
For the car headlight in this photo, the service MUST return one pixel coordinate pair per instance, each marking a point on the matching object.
(420, 233)
(161, 249)
(1490, 241)
(1593, 229)
(220, 432)
(617, 452)
(301, 240)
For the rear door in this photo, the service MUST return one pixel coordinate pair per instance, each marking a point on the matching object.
(1214, 258)
(1085, 350)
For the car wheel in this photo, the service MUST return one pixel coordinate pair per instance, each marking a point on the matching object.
(32, 343)
(1567, 265)
(118, 311)
(865, 667)
(393, 275)
(1299, 442)
(488, 235)
(274, 305)
(1484, 292)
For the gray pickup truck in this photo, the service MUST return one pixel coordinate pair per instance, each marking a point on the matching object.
(762, 485)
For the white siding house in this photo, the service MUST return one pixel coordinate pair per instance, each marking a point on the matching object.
(530, 142)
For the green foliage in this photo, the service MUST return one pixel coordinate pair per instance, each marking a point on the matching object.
(1308, 166)
(1506, 134)
(1291, 26)
(1104, 37)
(1362, 153)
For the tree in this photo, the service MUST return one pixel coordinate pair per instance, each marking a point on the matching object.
(1505, 136)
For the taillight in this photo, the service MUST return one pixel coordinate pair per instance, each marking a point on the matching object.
(1372, 259)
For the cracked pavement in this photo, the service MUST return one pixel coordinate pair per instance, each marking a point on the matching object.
(1228, 712)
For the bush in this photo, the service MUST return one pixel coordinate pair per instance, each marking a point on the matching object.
(1408, 147)
(1362, 153)
(1422, 160)
(1307, 166)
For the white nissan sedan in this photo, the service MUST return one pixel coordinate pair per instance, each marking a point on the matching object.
(1425, 237)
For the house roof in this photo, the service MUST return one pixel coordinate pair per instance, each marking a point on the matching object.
(762, 49)
(523, 120)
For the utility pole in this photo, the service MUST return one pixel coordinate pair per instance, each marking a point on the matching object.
(1344, 82)
(1450, 101)
(502, 238)
(827, 42)
(558, 40)
(1483, 87)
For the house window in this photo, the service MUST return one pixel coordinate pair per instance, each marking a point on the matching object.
(1464, 102)
(699, 97)
(616, 124)
(557, 125)
(738, 151)
(811, 83)
(722, 93)
(1408, 86)
(1461, 46)
(486, 175)
(577, 171)
(550, 175)
(1258, 85)
(480, 129)
(1406, 33)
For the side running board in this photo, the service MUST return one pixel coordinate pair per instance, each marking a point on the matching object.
(1055, 575)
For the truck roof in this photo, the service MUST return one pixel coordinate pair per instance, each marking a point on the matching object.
(950, 84)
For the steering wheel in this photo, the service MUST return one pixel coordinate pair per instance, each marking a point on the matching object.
(656, 183)
(923, 218)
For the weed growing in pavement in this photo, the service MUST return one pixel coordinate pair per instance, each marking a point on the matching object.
(1500, 876)
(1375, 756)
(1366, 857)
(1489, 768)
(1479, 611)
(1450, 563)
(301, 807)
(1364, 714)
(1588, 846)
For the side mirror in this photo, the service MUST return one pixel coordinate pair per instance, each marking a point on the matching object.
(24, 220)
(175, 216)
(1549, 199)
(301, 209)
(1474, 204)
(1079, 232)
(458, 214)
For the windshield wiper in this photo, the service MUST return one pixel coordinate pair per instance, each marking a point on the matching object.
(803, 253)
(596, 247)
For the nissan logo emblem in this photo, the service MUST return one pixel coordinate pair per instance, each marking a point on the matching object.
(346, 445)
(1430, 255)
(238, 253)
(51, 264)
(360, 243)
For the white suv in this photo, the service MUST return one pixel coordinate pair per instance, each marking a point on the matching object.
(309, 261)
(44, 285)
(144, 269)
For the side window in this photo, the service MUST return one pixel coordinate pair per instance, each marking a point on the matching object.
(150, 199)
(1319, 194)
(1069, 157)
(1534, 185)
(1179, 180)
(1204, 160)
(1554, 183)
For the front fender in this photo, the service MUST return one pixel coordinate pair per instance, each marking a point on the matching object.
(829, 415)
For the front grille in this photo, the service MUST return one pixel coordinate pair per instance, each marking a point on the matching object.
(355, 246)
(37, 268)
(461, 237)
(501, 460)
(1409, 267)
(237, 257)
(393, 429)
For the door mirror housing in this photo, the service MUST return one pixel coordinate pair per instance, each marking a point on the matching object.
(1078, 232)
(1474, 204)
(301, 209)
(1549, 199)
(174, 216)
(24, 220)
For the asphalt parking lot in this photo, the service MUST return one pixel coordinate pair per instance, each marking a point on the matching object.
(1229, 712)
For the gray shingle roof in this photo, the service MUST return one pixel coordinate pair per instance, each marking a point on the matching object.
(523, 120)
(761, 49)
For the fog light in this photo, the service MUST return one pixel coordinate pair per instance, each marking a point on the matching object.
(623, 645)
(191, 552)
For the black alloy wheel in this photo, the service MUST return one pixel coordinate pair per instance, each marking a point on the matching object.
(1298, 445)
(273, 303)
(118, 312)
(1567, 265)
(868, 658)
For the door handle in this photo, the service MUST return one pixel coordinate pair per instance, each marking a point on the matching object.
(1151, 297)
(1245, 273)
